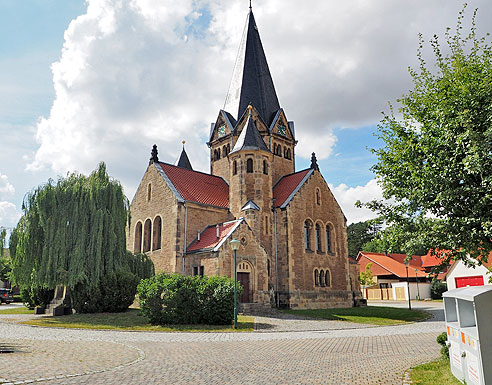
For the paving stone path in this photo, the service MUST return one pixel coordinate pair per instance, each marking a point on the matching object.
(287, 351)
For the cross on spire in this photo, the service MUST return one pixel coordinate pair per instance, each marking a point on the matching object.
(250, 7)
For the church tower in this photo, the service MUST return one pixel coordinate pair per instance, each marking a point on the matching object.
(252, 84)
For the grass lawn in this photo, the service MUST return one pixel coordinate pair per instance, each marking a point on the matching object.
(17, 310)
(131, 320)
(437, 372)
(375, 315)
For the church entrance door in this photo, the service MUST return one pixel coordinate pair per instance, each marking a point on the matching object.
(244, 279)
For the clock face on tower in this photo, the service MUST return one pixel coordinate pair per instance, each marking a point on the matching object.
(221, 131)
(282, 130)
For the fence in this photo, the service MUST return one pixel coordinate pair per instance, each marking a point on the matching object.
(379, 294)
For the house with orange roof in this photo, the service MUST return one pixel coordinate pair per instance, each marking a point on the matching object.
(293, 236)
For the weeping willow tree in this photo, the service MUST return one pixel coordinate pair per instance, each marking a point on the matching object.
(72, 231)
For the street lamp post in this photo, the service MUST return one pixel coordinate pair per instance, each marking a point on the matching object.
(417, 280)
(234, 246)
(408, 286)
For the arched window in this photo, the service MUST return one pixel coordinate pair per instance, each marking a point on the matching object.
(318, 197)
(279, 150)
(316, 277)
(137, 245)
(289, 156)
(149, 192)
(327, 278)
(156, 233)
(329, 249)
(318, 238)
(146, 242)
(234, 168)
(265, 167)
(249, 165)
(322, 278)
(307, 235)
(228, 148)
(224, 151)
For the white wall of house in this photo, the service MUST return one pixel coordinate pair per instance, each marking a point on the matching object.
(459, 269)
(423, 289)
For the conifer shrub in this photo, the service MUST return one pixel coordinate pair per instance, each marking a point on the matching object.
(36, 296)
(176, 299)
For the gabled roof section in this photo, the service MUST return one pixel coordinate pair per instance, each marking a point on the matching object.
(287, 187)
(183, 161)
(194, 186)
(392, 264)
(250, 205)
(250, 138)
(251, 81)
(209, 241)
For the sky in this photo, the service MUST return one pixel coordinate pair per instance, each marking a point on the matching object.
(103, 80)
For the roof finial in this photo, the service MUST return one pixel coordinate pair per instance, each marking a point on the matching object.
(314, 162)
(250, 7)
(250, 108)
(153, 154)
(184, 141)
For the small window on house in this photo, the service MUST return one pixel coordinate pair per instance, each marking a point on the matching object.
(202, 271)
(234, 168)
(147, 230)
(249, 165)
(195, 270)
(318, 197)
(137, 245)
(307, 235)
(322, 278)
(318, 238)
(327, 278)
(265, 167)
(329, 248)
(156, 233)
(149, 192)
(316, 277)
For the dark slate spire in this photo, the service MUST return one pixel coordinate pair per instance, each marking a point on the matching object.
(251, 80)
(250, 138)
(153, 154)
(314, 162)
(183, 161)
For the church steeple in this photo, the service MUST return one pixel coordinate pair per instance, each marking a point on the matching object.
(183, 161)
(251, 80)
(250, 138)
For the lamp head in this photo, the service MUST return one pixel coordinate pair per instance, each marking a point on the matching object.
(234, 244)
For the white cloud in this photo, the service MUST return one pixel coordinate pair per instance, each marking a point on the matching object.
(6, 188)
(137, 72)
(347, 196)
(8, 214)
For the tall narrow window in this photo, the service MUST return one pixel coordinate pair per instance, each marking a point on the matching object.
(318, 238)
(318, 197)
(147, 230)
(328, 239)
(149, 192)
(307, 235)
(322, 278)
(265, 167)
(316, 277)
(202, 271)
(156, 233)
(234, 168)
(137, 245)
(249, 165)
(289, 156)
(268, 267)
(224, 151)
(327, 278)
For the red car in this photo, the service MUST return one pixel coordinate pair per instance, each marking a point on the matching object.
(6, 295)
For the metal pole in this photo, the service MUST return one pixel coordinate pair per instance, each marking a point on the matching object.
(417, 279)
(408, 287)
(235, 291)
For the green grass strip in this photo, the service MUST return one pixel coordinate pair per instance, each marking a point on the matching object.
(432, 373)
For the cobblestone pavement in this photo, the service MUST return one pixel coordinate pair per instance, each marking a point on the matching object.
(317, 352)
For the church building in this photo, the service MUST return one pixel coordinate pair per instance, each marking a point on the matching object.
(293, 235)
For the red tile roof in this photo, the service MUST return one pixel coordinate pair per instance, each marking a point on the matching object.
(382, 264)
(209, 239)
(287, 185)
(195, 186)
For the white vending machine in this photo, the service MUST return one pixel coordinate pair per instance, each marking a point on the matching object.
(468, 312)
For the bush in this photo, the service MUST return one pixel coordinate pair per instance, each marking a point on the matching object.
(176, 299)
(36, 296)
(115, 293)
(437, 288)
(442, 339)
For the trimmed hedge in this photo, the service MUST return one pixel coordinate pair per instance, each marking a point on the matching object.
(115, 293)
(176, 299)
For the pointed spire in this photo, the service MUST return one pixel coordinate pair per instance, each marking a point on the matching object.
(251, 80)
(314, 162)
(250, 138)
(183, 161)
(153, 155)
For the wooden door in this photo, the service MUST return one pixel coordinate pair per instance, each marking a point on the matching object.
(244, 279)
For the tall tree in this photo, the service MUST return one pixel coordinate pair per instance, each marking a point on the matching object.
(72, 231)
(359, 234)
(436, 166)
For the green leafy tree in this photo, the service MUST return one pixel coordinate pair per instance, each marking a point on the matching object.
(366, 278)
(436, 166)
(5, 263)
(360, 233)
(72, 233)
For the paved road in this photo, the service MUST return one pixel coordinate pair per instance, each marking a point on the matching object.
(314, 352)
